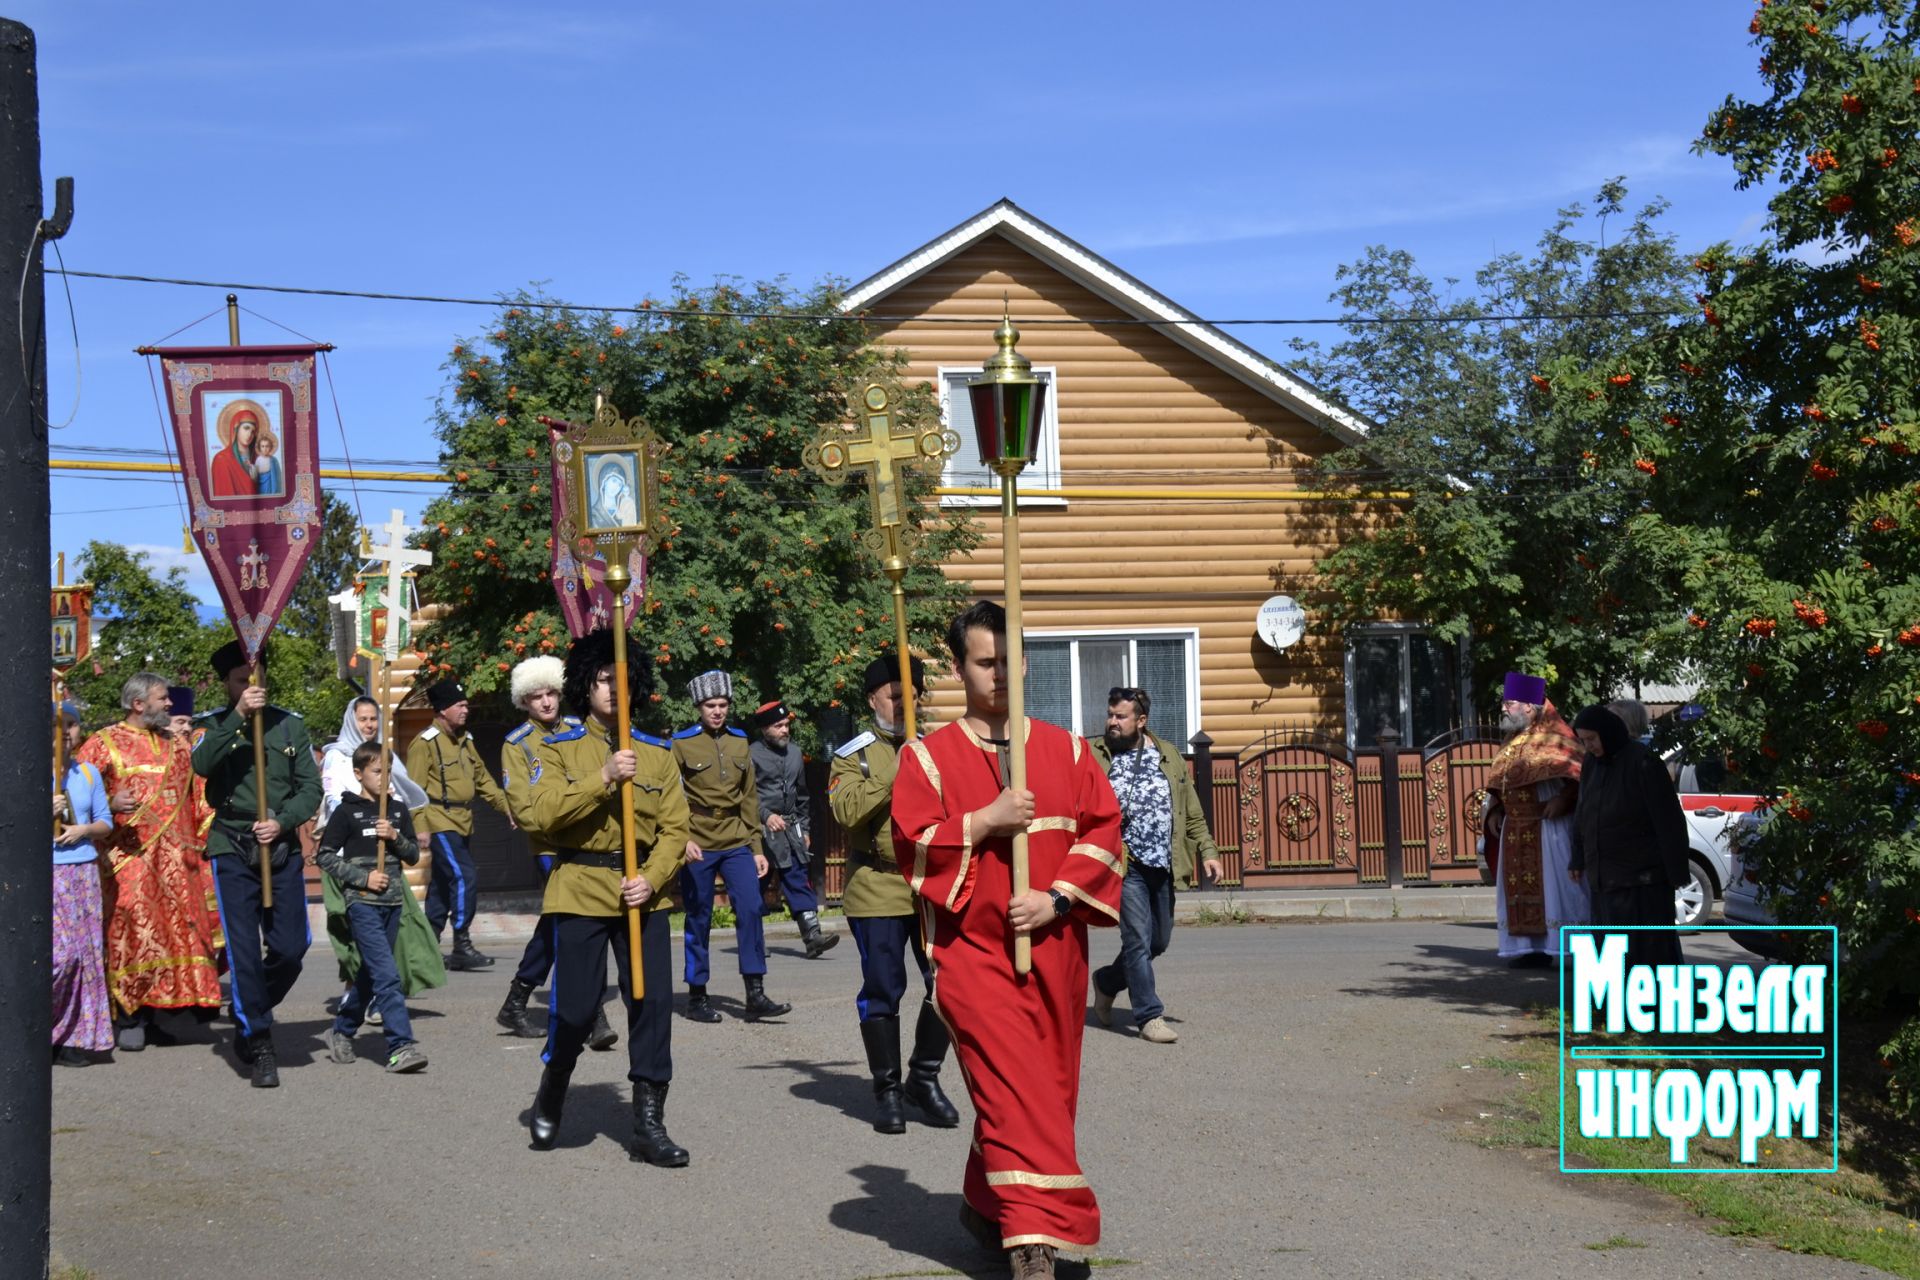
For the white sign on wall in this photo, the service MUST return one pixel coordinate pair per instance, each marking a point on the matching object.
(1282, 622)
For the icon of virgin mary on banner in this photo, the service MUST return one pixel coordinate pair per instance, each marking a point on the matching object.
(586, 523)
(250, 458)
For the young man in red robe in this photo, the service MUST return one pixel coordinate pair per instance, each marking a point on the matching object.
(1017, 1038)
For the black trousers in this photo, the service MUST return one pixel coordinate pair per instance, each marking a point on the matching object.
(261, 981)
(580, 975)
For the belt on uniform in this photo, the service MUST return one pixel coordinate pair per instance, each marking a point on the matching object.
(708, 811)
(583, 858)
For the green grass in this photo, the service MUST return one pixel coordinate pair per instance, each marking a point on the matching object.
(1866, 1212)
(1232, 913)
(1615, 1242)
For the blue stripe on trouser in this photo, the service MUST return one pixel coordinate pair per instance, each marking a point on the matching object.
(458, 886)
(553, 989)
(883, 942)
(226, 931)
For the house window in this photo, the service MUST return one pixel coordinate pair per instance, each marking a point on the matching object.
(964, 470)
(1068, 678)
(1399, 675)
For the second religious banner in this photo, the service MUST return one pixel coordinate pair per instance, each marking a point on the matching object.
(250, 456)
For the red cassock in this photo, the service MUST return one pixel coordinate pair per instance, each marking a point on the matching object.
(1017, 1039)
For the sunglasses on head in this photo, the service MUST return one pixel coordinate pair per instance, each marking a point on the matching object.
(1124, 693)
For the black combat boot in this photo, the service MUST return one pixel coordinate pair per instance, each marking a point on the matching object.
(651, 1145)
(465, 954)
(817, 940)
(758, 1005)
(602, 1036)
(266, 1066)
(548, 1103)
(699, 1008)
(513, 1013)
(922, 1086)
(882, 1038)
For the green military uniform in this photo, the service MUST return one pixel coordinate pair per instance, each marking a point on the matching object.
(722, 799)
(859, 791)
(577, 814)
(574, 812)
(265, 945)
(451, 772)
(447, 766)
(520, 769)
(223, 755)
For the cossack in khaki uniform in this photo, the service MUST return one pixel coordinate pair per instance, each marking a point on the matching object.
(860, 791)
(722, 800)
(520, 769)
(451, 772)
(574, 812)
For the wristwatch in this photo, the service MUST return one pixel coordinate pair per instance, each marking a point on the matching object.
(1061, 902)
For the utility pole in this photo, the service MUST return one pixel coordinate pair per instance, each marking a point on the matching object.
(26, 823)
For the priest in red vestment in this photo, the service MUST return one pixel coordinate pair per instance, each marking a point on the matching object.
(1017, 1038)
(163, 935)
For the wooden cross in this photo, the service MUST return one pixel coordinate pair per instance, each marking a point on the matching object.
(397, 558)
(253, 566)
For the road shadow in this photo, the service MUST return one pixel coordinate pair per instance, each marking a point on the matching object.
(592, 1110)
(1466, 977)
(851, 1094)
(909, 1219)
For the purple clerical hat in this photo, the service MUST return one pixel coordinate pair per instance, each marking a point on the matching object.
(1531, 690)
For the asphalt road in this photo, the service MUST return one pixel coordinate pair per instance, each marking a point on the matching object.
(1316, 1119)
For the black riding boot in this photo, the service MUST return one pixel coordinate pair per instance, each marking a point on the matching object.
(882, 1038)
(548, 1103)
(602, 1036)
(699, 1008)
(922, 1086)
(758, 1005)
(651, 1145)
(817, 940)
(513, 1012)
(465, 954)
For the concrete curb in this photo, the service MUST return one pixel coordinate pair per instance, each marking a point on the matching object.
(513, 916)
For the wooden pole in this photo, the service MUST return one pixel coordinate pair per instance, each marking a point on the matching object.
(618, 579)
(1016, 692)
(384, 682)
(908, 701)
(253, 680)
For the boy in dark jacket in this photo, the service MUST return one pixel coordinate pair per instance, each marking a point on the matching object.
(347, 853)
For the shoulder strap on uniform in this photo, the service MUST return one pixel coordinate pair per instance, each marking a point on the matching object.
(852, 745)
(521, 734)
(691, 731)
(736, 732)
(651, 741)
(431, 732)
(566, 735)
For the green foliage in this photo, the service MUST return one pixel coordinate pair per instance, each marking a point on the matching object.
(762, 574)
(1777, 428)
(149, 621)
(1505, 537)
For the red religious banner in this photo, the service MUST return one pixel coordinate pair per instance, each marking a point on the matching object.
(250, 456)
(579, 568)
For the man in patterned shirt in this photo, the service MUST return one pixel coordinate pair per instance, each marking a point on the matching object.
(1164, 832)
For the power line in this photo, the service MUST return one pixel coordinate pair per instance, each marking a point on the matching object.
(537, 304)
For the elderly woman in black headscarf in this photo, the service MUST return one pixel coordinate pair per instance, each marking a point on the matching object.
(1629, 835)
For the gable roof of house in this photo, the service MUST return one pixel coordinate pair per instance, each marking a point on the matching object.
(1129, 294)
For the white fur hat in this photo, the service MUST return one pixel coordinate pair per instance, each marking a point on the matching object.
(535, 674)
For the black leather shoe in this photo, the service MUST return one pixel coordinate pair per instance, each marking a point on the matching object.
(465, 955)
(651, 1145)
(882, 1039)
(758, 1005)
(602, 1036)
(266, 1066)
(922, 1086)
(548, 1103)
(817, 940)
(699, 1008)
(244, 1048)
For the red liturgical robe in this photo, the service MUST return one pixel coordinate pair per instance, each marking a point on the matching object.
(1017, 1039)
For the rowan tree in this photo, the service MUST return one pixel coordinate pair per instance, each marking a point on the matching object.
(1776, 439)
(761, 574)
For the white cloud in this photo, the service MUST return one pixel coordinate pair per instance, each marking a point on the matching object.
(162, 557)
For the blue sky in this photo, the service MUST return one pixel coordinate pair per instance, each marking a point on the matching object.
(1232, 156)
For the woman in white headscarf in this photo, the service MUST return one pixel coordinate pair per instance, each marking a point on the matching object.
(417, 952)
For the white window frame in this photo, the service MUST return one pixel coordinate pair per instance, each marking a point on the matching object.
(1034, 482)
(1189, 634)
